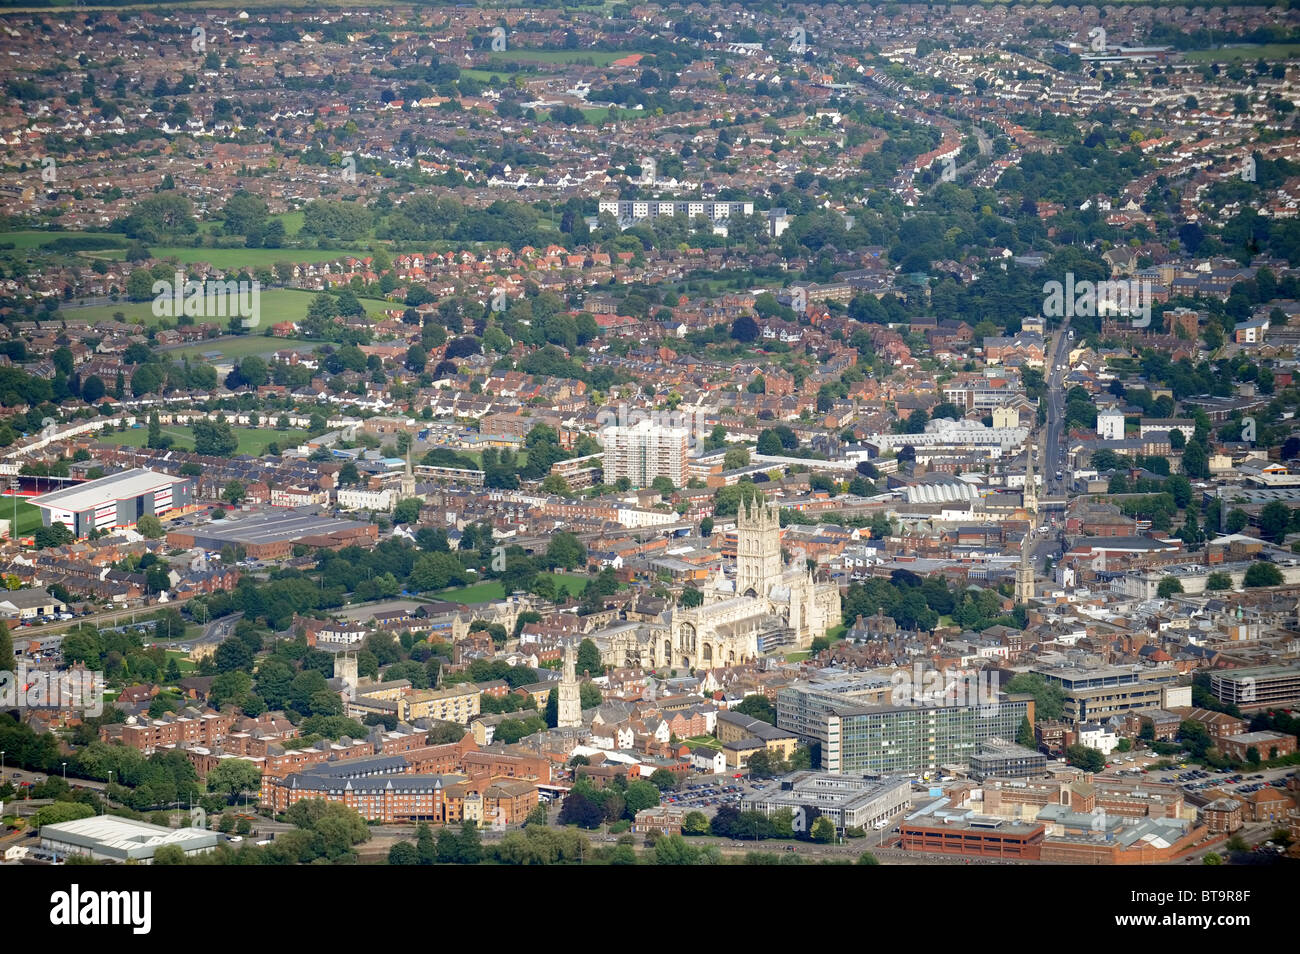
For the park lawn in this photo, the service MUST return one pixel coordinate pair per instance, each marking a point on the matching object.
(491, 590)
(277, 304)
(292, 222)
(594, 114)
(35, 238)
(1270, 52)
(558, 57)
(232, 349)
(494, 77)
(233, 258)
(224, 258)
(252, 440)
(29, 517)
(706, 741)
(521, 456)
(183, 662)
(797, 657)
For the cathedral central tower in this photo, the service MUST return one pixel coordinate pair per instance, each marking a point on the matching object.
(758, 547)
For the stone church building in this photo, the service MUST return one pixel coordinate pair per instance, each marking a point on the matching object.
(767, 607)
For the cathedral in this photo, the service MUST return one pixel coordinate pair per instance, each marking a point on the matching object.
(768, 606)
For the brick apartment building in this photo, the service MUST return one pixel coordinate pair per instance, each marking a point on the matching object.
(190, 727)
(382, 798)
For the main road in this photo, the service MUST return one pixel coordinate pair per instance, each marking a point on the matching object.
(1055, 397)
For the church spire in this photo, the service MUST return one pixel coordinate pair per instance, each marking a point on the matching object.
(408, 477)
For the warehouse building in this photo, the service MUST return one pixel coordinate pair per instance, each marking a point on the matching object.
(272, 536)
(110, 838)
(118, 500)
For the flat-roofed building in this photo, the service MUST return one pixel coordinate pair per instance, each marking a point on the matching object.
(1094, 694)
(272, 536)
(110, 838)
(941, 829)
(1259, 687)
(849, 802)
(883, 739)
(1007, 759)
(118, 500)
(643, 451)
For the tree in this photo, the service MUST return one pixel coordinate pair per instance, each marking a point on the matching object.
(426, 850)
(578, 809)
(1262, 574)
(6, 648)
(92, 389)
(1086, 758)
(744, 329)
(695, 823)
(675, 850)
(867, 858)
(156, 440)
(404, 853)
(55, 535)
(1196, 460)
(823, 831)
(758, 706)
(589, 658)
(149, 526)
(1168, 586)
(565, 550)
(663, 780)
(1025, 734)
(233, 654)
(1274, 519)
(214, 439)
(58, 812)
(234, 777)
(169, 855)
(640, 795)
(762, 765)
(536, 816)
(1218, 580)
(407, 511)
(233, 493)
(416, 359)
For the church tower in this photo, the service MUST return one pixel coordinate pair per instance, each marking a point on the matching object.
(569, 706)
(345, 668)
(758, 547)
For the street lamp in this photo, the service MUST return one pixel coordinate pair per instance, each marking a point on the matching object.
(65, 771)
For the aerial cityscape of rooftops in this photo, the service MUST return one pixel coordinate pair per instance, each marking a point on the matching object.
(650, 434)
